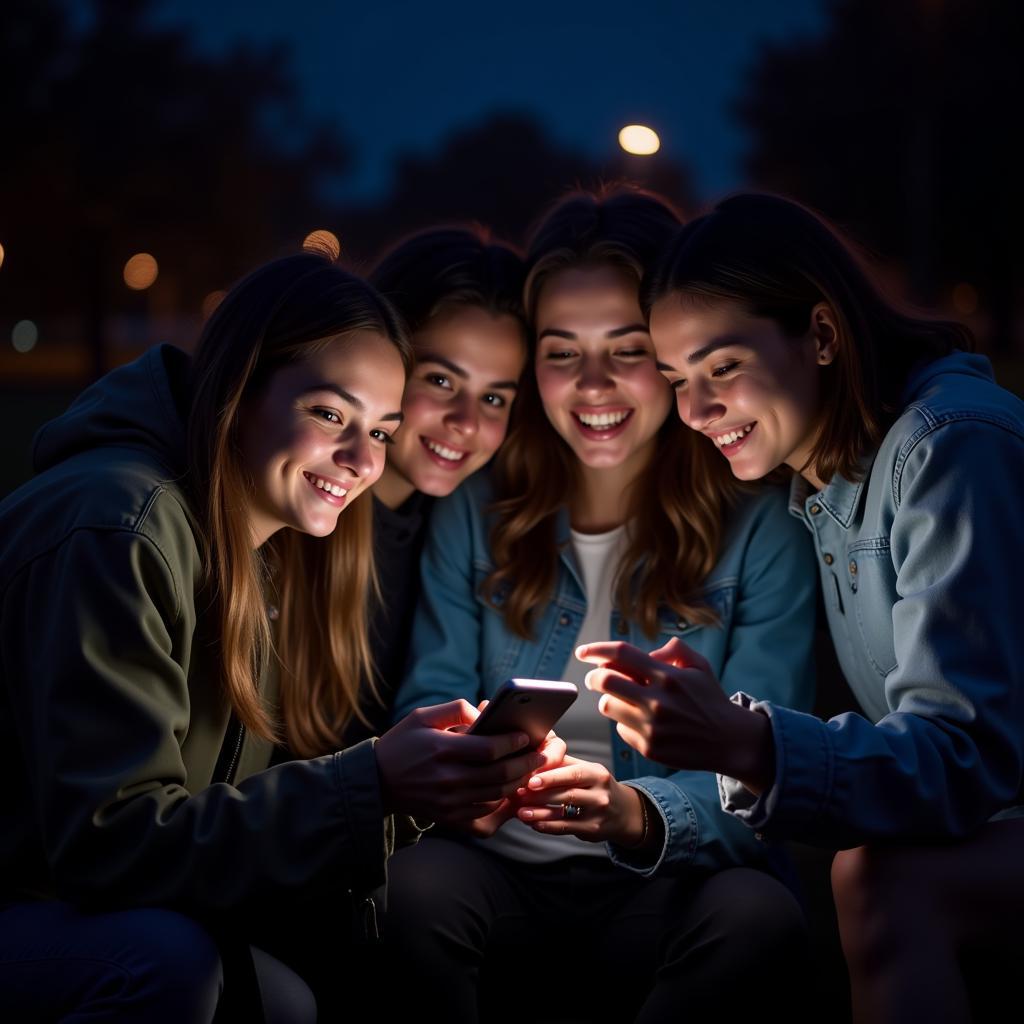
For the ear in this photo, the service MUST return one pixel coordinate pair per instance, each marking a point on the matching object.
(824, 333)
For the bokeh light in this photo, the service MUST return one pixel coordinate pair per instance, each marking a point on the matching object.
(1, 254)
(211, 302)
(639, 140)
(324, 242)
(140, 271)
(24, 336)
(965, 299)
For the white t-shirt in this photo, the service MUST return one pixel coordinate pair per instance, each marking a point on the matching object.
(586, 731)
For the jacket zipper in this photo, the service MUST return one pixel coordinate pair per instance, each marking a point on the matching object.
(234, 736)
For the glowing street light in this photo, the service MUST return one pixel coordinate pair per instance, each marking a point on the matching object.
(140, 271)
(639, 140)
(324, 242)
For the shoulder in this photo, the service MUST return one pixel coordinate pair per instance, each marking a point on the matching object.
(102, 494)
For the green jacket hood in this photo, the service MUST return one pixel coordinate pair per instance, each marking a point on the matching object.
(142, 405)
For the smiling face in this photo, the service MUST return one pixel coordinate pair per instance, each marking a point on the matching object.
(742, 382)
(596, 370)
(314, 437)
(457, 402)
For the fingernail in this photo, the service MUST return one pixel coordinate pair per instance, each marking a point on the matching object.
(586, 681)
(526, 814)
(524, 740)
(581, 652)
(536, 782)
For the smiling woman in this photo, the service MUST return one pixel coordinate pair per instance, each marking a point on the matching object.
(182, 584)
(603, 516)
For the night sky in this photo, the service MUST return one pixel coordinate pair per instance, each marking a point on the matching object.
(400, 75)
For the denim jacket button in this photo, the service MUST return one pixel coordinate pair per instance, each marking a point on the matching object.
(853, 567)
(827, 558)
(564, 619)
(623, 755)
(815, 509)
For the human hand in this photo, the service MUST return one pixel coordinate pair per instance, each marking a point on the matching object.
(608, 810)
(670, 706)
(432, 771)
(552, 750)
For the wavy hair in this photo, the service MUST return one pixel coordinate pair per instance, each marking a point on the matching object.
(678, 503)
(281, 313)
(777, 259)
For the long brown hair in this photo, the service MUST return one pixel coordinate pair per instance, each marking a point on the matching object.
(281, 313)
(778, 260)
(678, 502)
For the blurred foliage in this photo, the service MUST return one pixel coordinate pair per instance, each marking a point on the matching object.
(902, 124)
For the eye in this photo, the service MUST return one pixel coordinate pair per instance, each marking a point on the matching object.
(494, 401)
(327, 414)
(631, 353)
(559, 354)
(382, 436)
(438, 380)
(725, 369)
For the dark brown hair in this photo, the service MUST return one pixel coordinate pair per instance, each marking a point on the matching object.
(778, 260)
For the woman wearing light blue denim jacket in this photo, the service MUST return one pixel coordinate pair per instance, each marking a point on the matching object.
(590, 523)
(909, 465)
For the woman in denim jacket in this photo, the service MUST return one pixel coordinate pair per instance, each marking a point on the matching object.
(908, 465)
(603, 513)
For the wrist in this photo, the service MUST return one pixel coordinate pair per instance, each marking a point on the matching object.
(750, 752)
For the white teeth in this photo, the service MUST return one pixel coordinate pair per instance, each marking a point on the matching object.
(336, 489)
(604, 419)
(445, 453)
(733, 435)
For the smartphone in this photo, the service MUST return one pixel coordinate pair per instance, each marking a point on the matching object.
(525, 705)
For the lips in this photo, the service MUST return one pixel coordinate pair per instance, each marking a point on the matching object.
(601, 423)
(445, 456)
(730, 442)
(334, 492)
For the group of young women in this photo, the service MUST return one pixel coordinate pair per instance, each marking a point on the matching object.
(224, 729)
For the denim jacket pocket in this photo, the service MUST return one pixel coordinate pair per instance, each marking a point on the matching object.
(871, 586)
(719, 597)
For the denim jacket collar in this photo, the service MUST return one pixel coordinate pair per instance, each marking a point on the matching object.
(839, 498)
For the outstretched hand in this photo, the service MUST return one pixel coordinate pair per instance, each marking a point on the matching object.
(670, 706)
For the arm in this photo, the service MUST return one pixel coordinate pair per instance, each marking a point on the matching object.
(97, 634)
(444, 652)
(770, 651)
(951, 752)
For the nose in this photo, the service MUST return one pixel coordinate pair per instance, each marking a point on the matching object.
(356, 455)
(594, 376)
(699, 406)
(463, 415)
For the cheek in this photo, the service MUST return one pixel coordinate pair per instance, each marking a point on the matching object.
(419, 408)
(492, 433)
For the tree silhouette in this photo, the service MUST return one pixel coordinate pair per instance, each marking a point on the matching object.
(901, 122)
(502, 172)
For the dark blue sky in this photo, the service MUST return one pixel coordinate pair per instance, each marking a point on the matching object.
(399, 75)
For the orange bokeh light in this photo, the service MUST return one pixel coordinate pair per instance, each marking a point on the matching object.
(140, 271)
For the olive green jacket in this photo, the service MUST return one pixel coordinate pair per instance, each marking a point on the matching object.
(111, 720)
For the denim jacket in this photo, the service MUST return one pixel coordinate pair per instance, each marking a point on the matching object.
(762, 587)
(919, 561)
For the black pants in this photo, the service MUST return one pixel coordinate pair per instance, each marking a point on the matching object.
(147, 965)
(473, 935)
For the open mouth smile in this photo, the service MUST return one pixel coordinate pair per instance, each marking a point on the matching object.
(731, 441)
(601, 424)
(330, 490)
(444, 455)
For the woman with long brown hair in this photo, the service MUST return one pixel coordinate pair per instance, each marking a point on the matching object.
(906, 466)
(602, 515)
(178, 591)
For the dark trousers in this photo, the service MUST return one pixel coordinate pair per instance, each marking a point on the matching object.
(476, 936)
(151, 965)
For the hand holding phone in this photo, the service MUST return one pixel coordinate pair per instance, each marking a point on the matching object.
(532, 706)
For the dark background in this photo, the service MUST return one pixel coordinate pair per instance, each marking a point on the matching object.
(217, 135)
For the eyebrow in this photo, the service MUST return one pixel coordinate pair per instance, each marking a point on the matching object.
(617, 332)
(347, 396)
(433, 357)
(727, 341)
